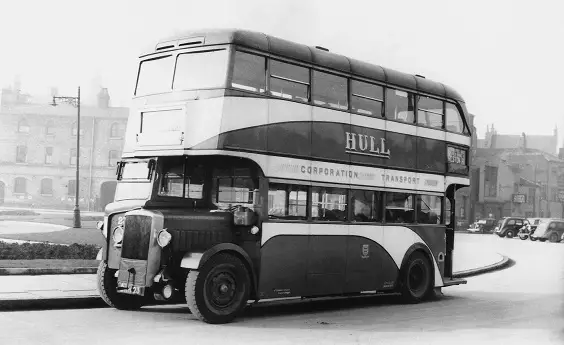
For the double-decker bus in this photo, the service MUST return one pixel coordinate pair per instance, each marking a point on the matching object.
(258, 168)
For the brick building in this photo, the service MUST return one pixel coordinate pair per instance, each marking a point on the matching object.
(38, 145)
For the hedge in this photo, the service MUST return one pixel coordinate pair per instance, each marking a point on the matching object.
(31, 251)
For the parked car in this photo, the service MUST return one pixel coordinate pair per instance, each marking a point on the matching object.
(483, 225)
(509, 226)
(526, 231)
(552, 230)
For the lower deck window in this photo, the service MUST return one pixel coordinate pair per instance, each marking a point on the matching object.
(399, 208)
(328, 204)
(367, 206)
(429, 209)
(287, 202)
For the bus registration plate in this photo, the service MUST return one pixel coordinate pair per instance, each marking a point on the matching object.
(131, 289)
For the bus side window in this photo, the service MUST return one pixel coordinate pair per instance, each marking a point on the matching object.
(249, 72)
(287, 202)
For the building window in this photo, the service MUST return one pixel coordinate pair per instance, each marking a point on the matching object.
(74, 129)
(490, 181)
(114, 158)
(72, 157)
(50, 128)
(328, 204)
(20, 185)
(71, 188)
(367, 99)
(289, 81)
(116, 130)
(329, 90)
(46, 186)
(287, 202)
(430, 112)
(48, 155)
(21, 154)
(23, 127)
(400, 106)
(249, 72)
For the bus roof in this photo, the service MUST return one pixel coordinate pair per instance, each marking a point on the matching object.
(312, 55)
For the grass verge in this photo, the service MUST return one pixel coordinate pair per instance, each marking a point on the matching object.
(47, 263)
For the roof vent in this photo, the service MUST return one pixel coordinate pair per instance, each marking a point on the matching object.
(193, 41)
(420, 76)
(322, 48)
(165, 45)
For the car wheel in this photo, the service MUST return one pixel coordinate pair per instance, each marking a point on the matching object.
(417, 279)
(219, 291)
(554, 238)
(509, 234)
(107, 287)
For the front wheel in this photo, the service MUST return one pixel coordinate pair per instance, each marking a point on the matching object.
(509, 234)
(219, 291)
(107, 287)
(554, 238)
(523, 236)
(417, 279)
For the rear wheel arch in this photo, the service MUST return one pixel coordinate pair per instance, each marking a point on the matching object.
(418, 247)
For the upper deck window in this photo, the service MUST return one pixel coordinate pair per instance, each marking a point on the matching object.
(430, 112)
(249, 72)
(201, 70)
(289, 81)
(367, 99)
(454, 122)
(400, 106)
(329, 90)
(155, 76)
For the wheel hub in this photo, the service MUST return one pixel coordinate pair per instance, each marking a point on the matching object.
(222, 289)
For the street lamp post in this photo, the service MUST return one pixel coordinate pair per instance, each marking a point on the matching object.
(74, 101)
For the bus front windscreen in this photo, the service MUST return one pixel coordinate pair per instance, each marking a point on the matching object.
(193, 71)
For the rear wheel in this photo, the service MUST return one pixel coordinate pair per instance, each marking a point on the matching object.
(107, 287)
(219, 290)
(509, 234)
(532, 238)
(417, 279)
(523, 236)
(554, 238)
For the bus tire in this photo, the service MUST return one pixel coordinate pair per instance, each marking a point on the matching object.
(416, 279)
(219, 290)
(107, 288)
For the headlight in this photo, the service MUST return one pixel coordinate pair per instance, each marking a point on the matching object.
(118, 235)
(164, 237)
(100, 225)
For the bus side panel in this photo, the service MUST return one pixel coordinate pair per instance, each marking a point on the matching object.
(283, 266)
(369, 266)
(435, 238)
(326, 264)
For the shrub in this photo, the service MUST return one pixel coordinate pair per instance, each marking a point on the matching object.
(31, 251)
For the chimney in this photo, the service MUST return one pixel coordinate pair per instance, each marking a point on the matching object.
(103, 98)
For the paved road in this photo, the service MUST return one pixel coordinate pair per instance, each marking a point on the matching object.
(520, 305)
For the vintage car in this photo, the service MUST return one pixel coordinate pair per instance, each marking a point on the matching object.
(483, 225)
(529, 227)
(509, 226)
(551, 229)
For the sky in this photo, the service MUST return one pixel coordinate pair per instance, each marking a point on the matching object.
(506, 58)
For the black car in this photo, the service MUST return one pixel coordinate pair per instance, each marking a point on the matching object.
(509, 226)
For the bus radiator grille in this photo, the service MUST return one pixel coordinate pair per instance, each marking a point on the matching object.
(136, 237)
(185, 240)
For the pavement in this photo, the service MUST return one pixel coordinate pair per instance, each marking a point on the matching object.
(43, 291)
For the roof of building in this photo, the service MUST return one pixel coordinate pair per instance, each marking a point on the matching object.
(64, 110)
(306, 54)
